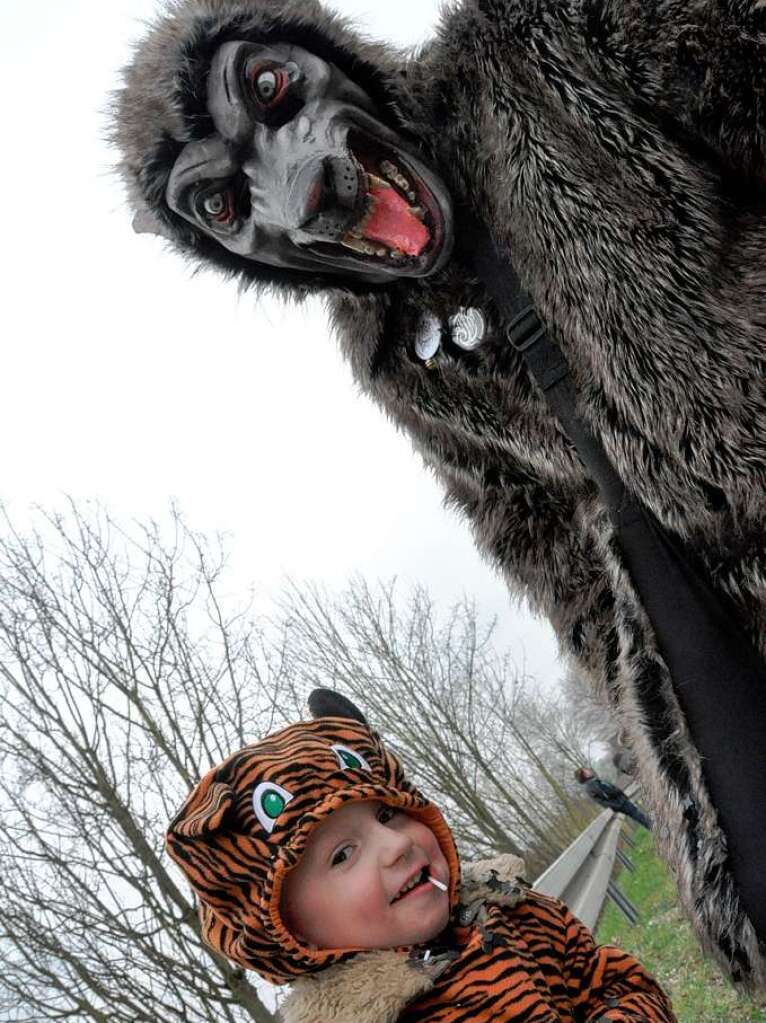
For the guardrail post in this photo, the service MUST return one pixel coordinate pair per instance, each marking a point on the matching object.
(628, 909)
(625, 860)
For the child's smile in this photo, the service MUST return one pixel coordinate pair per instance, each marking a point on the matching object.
(413, 885)
(363, 881)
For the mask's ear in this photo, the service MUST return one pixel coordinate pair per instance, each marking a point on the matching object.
(145, 222)
(325, 703)
(204, 811)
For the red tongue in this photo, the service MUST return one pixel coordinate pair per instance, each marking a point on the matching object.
(393, 224)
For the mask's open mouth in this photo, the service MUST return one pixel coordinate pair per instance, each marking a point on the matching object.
(401, 223)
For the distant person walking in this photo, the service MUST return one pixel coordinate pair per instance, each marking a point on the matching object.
(610, 796)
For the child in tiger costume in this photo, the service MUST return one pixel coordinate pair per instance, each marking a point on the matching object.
(316, 863)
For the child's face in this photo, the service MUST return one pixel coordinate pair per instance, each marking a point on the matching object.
(345, 892)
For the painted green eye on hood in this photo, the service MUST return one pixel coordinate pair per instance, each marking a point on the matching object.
(349, 759)
(269, 800)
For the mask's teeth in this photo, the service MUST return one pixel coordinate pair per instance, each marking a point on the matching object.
(394, 174)
(373, 179)
(358, 245)
(356, 233)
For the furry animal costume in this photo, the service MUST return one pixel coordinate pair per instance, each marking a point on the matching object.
(616, 152)
(509, 955)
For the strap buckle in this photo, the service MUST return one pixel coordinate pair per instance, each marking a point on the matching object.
(525, 329)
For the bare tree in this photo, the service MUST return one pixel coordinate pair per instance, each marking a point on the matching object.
(472, 729)
(124, 674)
(122, 679)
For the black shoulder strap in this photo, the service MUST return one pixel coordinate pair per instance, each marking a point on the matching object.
(718, 677)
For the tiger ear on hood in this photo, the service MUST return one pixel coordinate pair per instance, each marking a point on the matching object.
(326, 703)
(204, 811)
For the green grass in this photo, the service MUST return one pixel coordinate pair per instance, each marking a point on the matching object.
(665, 944)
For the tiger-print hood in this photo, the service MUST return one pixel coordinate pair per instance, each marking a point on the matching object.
(374, 987)
(246, 823)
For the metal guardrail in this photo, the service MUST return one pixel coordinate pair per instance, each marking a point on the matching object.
(582, 875)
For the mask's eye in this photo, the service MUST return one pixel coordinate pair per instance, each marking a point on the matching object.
(269, 800)
(219, 207)
(276, 90)
(269, 84)
(349, 759)
(216, 205)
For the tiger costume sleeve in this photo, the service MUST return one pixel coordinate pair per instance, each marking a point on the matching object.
(608, 985)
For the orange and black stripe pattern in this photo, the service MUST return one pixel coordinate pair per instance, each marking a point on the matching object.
(244, 826)
(542, 967)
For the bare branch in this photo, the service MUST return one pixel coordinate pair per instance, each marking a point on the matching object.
(123, 676)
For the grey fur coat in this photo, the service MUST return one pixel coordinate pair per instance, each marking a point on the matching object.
(645, 254)
(616, 148)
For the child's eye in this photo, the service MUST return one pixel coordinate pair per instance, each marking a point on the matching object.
(385, 814)
(341, 855)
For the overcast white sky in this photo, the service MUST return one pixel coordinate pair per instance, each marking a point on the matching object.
(126, 380)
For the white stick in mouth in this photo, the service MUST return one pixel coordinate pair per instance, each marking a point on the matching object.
(437, 883)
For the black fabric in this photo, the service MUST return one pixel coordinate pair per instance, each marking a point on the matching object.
(717, 675)
(612, 797)
(603, 791)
